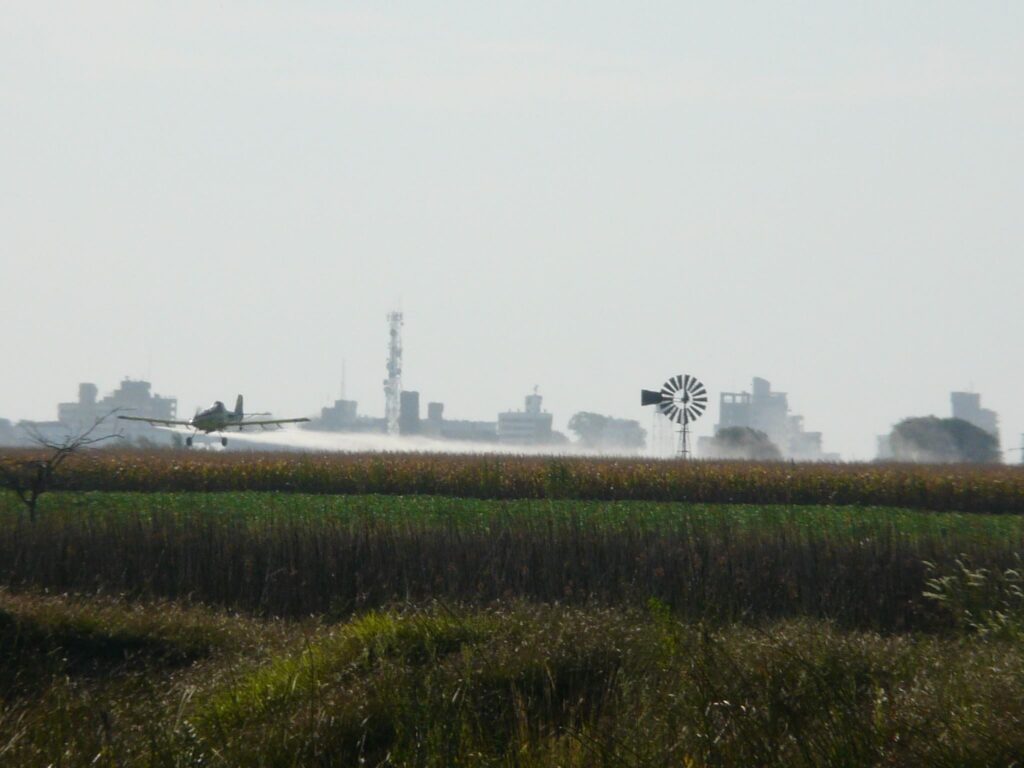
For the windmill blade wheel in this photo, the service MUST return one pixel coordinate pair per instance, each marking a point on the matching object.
(683, 399)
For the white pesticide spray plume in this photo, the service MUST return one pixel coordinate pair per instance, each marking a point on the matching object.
(361, 442)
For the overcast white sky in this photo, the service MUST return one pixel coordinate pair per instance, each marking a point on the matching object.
(228, 197)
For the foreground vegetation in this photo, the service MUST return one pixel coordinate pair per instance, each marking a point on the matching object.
(514, 684)
(991, 489)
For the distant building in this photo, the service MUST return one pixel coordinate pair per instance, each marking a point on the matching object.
(762, 409)
(131, 398)
(409, 413)
(531, 426)
(8, 435)
(403, 414)
(967, 406)
(438, 427)
(768, 412)
(343, 417)
(338, 417)
(29, 432)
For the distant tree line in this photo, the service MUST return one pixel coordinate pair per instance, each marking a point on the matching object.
(605, 433)
(929, 439)
(742, 443)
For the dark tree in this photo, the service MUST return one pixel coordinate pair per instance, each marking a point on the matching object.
(589, 428)
(744, 443)
(598, 432)
(934, 440)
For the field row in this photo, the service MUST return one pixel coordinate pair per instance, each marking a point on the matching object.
(993, 489)
(296, 555)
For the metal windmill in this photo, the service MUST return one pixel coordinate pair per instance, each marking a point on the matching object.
(682, 399)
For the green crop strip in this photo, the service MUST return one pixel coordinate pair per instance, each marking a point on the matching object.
(295, 554)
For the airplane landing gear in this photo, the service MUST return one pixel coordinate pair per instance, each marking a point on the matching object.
(188, 441)
(224, 442)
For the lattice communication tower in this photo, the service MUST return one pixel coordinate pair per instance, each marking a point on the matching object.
(393, 383)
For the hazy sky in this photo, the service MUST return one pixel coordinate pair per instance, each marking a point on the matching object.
(228, 197)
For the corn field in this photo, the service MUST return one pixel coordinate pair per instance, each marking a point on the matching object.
(991, 489)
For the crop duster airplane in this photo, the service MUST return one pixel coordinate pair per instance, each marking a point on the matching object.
(217, 418)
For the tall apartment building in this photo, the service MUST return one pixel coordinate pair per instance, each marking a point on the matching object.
(531, 426)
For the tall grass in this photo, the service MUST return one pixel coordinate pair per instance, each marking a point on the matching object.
(100, 681)
(293, 555)
(528, 685)
(536, 686)
(941, 487)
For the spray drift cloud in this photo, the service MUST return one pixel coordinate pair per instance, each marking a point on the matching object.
(355, 442)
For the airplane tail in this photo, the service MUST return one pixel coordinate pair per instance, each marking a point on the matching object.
(238, 406)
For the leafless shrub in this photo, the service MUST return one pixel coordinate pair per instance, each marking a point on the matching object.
(31, 478)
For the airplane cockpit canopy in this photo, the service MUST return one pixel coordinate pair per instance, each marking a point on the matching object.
(218, 406)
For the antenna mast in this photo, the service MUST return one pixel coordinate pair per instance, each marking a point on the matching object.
(393, 383)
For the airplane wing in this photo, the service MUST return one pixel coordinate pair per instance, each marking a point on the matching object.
(264, 423)
(154, 422)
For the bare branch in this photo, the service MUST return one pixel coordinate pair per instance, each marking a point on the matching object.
(73, 442)
(30, 479)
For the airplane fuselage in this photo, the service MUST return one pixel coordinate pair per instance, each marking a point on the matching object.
(215, 419)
